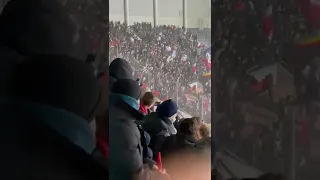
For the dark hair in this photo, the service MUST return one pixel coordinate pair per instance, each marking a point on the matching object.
(148, 99)
(189, 126)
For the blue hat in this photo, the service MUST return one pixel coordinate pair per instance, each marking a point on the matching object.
(167, 109)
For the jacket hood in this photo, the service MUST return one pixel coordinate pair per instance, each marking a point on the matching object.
(154, 124)
(121, 69)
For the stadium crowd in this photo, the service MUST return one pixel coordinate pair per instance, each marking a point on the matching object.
(167, 59)
(63, 120)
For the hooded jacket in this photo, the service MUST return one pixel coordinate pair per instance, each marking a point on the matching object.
(126, 151)
(159, 129)
(119, 69)
(177, 142)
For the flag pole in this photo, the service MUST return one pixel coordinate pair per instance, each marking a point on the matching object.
(202, 108)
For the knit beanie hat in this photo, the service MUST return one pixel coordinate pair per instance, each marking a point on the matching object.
(127, 87)
(167, 109)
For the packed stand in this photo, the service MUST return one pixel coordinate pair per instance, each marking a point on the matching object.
(56, 120)
(253, 37)
(165, 58)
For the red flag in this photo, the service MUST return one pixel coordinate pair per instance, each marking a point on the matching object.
(194, 68)
(207, 63)
(111, 44)
(268, 22)
(159, 161)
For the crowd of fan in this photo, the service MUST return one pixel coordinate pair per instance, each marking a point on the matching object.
(62, 120)
(162, 57)
(240, 24)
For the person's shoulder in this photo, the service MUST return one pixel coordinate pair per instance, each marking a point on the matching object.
(54, 154)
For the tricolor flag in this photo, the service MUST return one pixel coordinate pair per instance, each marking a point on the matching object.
(311, 40)
(191, 98)
(207, 74)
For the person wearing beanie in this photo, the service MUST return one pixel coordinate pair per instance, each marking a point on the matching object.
(160, 125)
(168, 109)
(125, 147)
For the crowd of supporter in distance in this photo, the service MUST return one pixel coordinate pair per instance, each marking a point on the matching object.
(63, 120)
(168, 60)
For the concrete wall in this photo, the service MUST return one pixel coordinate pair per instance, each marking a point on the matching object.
(169, 12)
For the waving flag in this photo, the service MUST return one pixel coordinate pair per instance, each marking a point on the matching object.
(207, 62)
(191, 98)
(311, 40)
(207, 74)
(197, 87)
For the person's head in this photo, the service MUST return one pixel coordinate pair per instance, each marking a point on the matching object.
(148, 100)
(128, 90)
(198, 119)
(168, 109)
(58, 81)
(204, 131)
(190, 127)
(120, 69)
